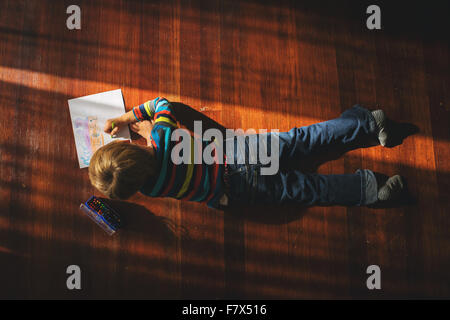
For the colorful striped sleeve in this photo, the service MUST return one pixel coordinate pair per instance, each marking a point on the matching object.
(164, 114)
(158, 109)
(145, 111)
(163, 120)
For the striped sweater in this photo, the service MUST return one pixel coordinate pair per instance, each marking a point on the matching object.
(185, 181)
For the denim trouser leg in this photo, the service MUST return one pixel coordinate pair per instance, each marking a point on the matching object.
(248, 186)
(354, 126)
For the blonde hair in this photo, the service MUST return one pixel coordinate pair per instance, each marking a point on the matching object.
(120, 169)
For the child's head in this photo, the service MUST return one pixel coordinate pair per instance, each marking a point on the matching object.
(120, 169)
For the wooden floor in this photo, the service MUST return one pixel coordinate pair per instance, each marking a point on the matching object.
(245, 64)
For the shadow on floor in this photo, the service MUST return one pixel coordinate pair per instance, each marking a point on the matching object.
(138, 219)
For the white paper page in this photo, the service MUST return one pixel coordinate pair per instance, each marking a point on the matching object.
(88, 115)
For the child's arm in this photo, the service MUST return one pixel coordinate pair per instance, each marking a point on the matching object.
(146, 111)
(159, 110)
(144, 129)
(114, 125)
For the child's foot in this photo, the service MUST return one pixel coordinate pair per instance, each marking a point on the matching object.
(392, 189)
(381, 122)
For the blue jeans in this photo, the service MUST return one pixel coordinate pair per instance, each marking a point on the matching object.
(245, 184)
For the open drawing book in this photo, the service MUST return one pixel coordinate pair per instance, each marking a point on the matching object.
(88, 115)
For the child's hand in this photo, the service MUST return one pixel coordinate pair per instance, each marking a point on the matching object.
(143, 128)
(112, 126)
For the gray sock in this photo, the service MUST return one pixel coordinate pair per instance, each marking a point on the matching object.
(381, 122)
(392, 189)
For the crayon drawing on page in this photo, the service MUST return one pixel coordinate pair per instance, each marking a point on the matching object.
(89, 115)
(89, 135)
